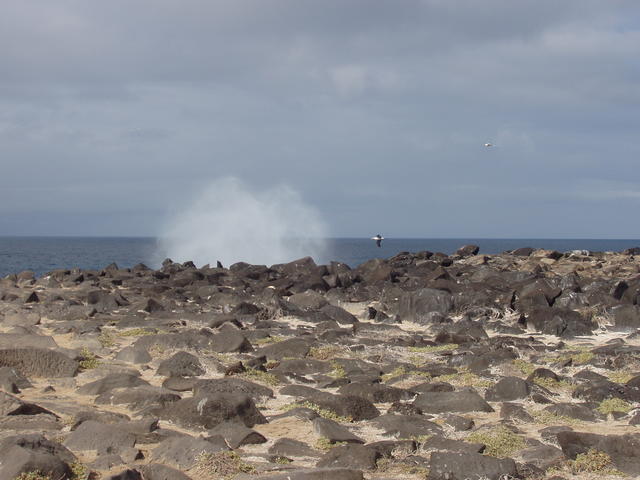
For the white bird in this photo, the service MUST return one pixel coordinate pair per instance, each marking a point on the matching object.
(378, 238)
(488, 144)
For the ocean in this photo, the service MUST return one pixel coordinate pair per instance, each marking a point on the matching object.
(43, 254)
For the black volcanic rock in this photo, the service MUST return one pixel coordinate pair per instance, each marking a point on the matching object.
(209, 410)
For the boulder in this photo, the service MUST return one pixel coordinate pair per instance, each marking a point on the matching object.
(447, 402)
(157, 471)
(463, 466)
(133, 355)
(560, 322)
(626, 317)
(376, 393)
(33, 452)
(255, 391)
(138, 397)
(418, 306)
(11, 381)
(624, 450)
(287, 447)
(333, 431)
(316, 474)
(38, 363)
(350, 456)
(293, 348)
(236, 434)
(207, 410)
(103, 438)
(468, 250)
(406, 426)
(12, 405)
(111, 381)
(183, 451)
(182, 364)
(507, 389)
(356, 408)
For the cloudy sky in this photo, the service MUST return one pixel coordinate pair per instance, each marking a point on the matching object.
(374, 111)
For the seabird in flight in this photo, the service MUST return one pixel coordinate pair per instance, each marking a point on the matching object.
(488, 144)
(378, 238)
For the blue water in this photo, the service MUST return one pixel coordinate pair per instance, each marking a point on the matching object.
(43, 254)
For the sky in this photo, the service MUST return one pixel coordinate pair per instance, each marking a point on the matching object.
(375, 112)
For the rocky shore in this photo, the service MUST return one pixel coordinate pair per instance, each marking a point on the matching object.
(523, 365)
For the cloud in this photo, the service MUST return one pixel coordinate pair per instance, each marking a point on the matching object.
(374, 111)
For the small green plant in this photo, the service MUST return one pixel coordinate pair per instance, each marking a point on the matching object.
(338, 371)
(323, 412)
(137, 332)
(465, 378)
(325, 444)
(499, 441)
(417, 360)
(36, 475)
(434, 348)
(269, 340)
(527, 368)
(399, 371)
(593, 461)
(282, 460)
(106, 339)
(271, 364)
(260, 376)
(88, 359)
(579, 356)
(326, 352)
(546, 417)
(610, 405)
(620, 376)
(420, 439)
(396, 372)
(78, 471)
(399, 469)
(157, 349)
(551, 384)
(225, 465)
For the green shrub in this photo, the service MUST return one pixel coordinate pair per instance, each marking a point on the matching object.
(465, 378)
(338, 371)
(434, 348)
(260, 376)
(78, 471)
(549, 418)
(323, 412)
(106, 339)
(269, 340)
(88, 359)
(137, 332)
(225, 465)
(593, 461)
(36, 475)
(499, 441)
(611, 405)
(325, 444)
(327, 352)
(524, 366)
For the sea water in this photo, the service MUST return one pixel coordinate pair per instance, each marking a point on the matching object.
(43, 254)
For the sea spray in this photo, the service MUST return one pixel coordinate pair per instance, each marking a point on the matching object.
(231, 222)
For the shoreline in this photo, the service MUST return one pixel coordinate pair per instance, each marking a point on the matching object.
(520, 364)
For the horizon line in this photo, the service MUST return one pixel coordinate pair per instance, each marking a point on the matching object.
(364, 237)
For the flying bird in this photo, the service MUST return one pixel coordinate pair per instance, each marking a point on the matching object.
(488, 144)
(378, 238)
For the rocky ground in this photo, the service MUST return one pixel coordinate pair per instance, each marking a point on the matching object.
(519, 365)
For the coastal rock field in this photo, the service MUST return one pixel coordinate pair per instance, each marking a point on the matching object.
(520, 365)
